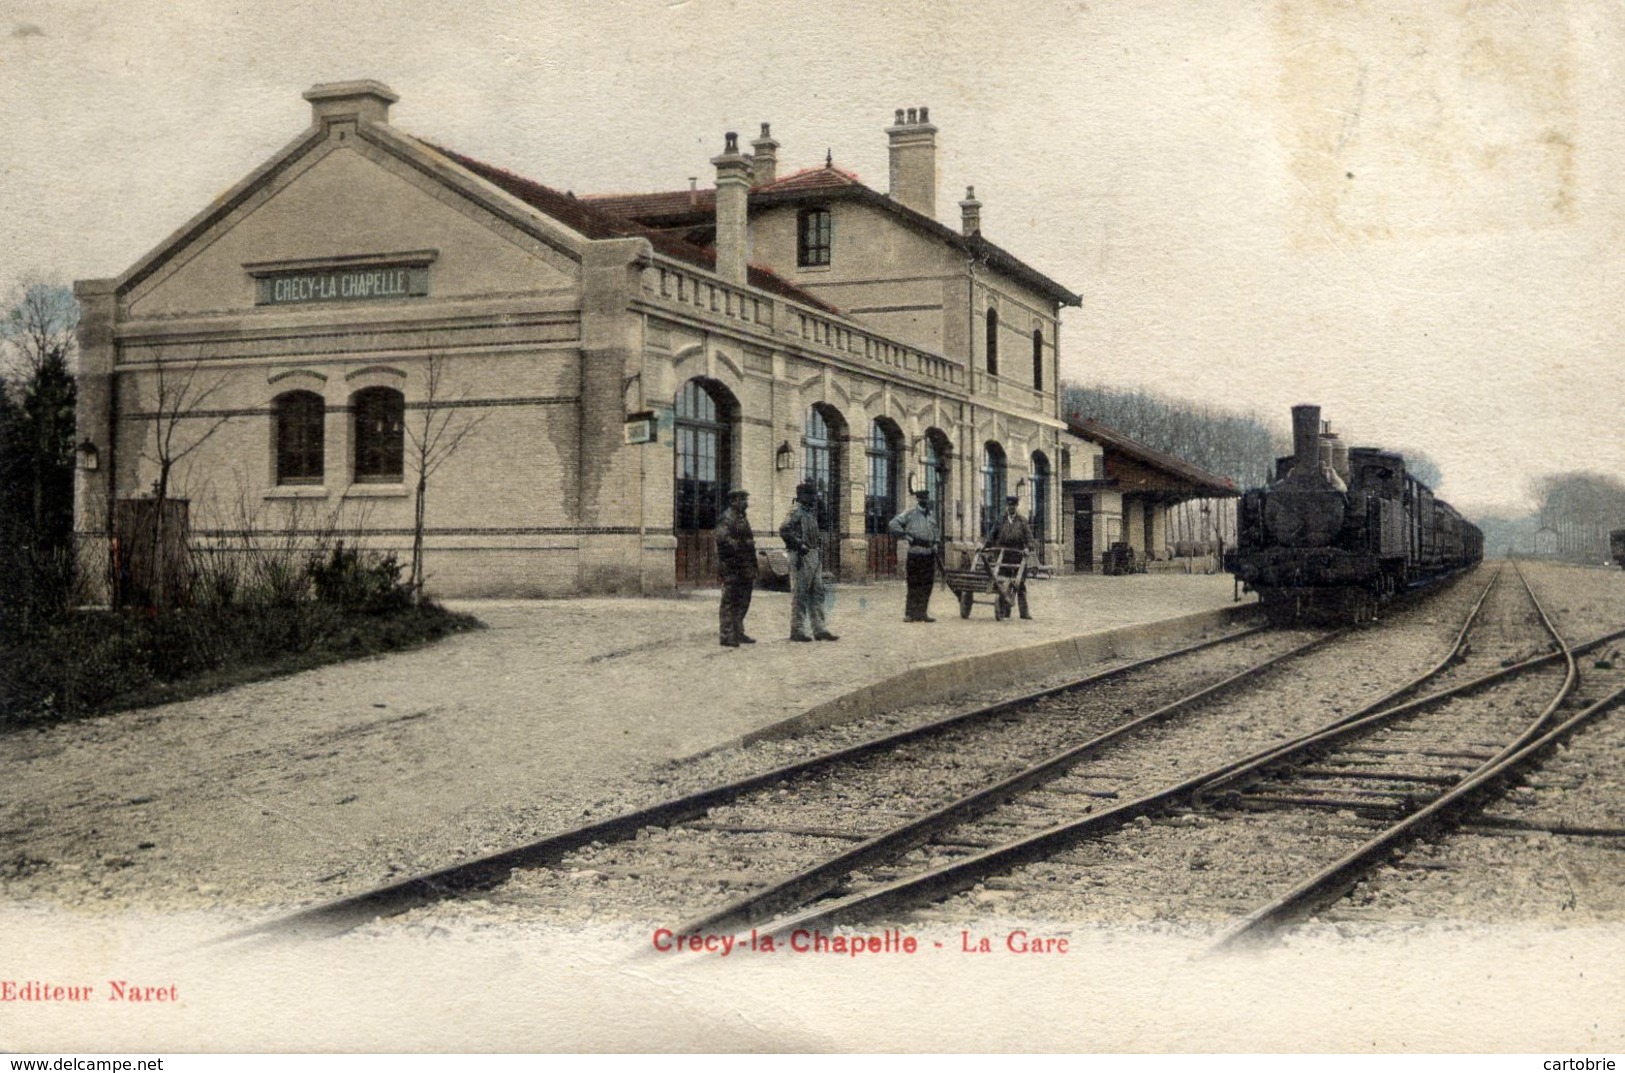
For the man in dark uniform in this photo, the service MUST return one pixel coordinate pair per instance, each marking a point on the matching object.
(736, 563)
(919, 527)
(805, 543)
(1014, 532)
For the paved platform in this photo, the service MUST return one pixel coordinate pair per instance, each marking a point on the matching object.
(328, 781)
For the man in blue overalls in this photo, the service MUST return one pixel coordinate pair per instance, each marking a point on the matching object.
(805, 544)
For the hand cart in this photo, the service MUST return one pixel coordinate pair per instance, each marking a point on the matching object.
(995, 573)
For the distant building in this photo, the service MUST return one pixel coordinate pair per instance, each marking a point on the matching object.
(763, 331)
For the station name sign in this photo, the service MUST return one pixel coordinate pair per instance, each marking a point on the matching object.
(343, 285)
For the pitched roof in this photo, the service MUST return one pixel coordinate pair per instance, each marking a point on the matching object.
(1203, 480)
(677, 207)
(592, 221)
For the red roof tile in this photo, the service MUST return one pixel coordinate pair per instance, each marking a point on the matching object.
(683, 207)
(591, 219)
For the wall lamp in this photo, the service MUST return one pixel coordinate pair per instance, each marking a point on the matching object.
(784, 458)
(89, 457)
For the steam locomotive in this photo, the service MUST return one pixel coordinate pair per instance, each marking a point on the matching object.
(1340, 531)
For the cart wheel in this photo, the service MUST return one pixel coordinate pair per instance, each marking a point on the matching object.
(1001, 608)
(964, 605)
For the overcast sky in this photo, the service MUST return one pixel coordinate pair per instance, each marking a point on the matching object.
(1406, 212)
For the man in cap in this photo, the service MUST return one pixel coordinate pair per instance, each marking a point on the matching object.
(804, 542)
(736, 564)
(1014, 532)
(918, 526)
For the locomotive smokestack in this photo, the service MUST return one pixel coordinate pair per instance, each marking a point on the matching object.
(1306, 438)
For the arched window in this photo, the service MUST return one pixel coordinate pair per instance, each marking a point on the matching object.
(825, 466)
(702, 436)
(298, 418)
(992, 341)
(1040, 509)
(880, 506)
(938, 452)
(993, 470)
(380, 435)
(1038, 359)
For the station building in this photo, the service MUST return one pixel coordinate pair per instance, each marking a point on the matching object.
(607, 367)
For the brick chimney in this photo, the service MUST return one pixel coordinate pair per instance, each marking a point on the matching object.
(366, 100)
(914, 160)
(765, 159)
(733, 193)
(970, 213)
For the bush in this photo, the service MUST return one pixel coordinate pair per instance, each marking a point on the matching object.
(370, 584)
(93, 661)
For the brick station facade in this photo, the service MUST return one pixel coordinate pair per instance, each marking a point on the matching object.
(364, 286)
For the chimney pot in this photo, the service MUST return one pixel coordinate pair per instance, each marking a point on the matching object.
(732, 209)
(970, 213)
(925, 114)
(913, 153)
(764, 166)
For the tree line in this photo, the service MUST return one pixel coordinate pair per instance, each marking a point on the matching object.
(37, 396)
(1240, 446)
(1574, 514)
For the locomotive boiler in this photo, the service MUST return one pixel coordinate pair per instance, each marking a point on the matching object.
(1340, 531)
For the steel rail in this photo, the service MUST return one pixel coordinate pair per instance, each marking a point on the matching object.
(1333, 879)
(954, 876)
(813, 881)
(341, 914)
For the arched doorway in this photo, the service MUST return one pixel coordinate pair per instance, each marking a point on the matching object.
(993, 481)
(937, 458)
(1040, 509)
(881, 504)
(702, 435)
(825, 454)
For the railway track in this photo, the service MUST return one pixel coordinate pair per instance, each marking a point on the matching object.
(1302, 819)
(844, 797)
(1021, 781)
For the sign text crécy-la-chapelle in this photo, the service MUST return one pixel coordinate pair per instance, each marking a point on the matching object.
(344, 284)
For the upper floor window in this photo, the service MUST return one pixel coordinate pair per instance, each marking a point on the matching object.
(812, 238)
(1038, 359)
(298, 417)
(993, 342)
(380, 433)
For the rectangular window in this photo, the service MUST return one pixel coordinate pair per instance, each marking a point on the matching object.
(812, 238)
(380, 425)
(298, 418)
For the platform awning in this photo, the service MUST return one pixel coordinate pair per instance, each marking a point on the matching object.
(1132, 468)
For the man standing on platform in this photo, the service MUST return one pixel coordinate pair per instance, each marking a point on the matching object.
(919, 527)
(1013, 532)
(736, 564)
(804, 542)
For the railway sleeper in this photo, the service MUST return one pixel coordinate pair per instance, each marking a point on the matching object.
(1377, 776)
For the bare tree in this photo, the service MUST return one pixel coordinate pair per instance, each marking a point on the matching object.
(182, 422)
(41, 326)
(440, 430)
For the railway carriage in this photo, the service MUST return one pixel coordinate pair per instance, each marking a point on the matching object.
(1341, 531)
